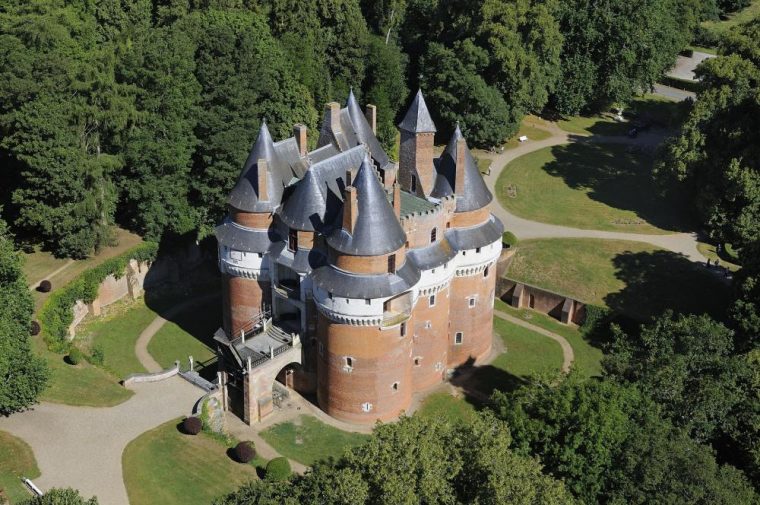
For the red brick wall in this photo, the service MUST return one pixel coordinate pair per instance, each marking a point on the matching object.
(475, 323)
(430, 345)
(380, 358)
(242, 298)
(416, 152)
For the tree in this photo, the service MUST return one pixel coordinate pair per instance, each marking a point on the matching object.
(60, 497)
(419, 461)
(610, 445)
(613, 50)
(22, 375)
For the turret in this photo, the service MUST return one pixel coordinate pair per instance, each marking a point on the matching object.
(416, 172)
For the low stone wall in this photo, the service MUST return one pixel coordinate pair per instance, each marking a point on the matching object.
(521, 295)
(137, 378)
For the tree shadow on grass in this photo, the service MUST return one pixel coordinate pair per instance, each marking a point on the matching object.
(660, 280)
(478, 382)
(619, 177)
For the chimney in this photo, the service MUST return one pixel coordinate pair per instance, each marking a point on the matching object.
(397, 200)
(263, 189)
(332, 111)
(371, 115)
(459, 180)
(350, 210)
(349, 178)
(299, 131)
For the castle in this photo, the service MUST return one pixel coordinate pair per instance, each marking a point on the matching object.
(366, 279)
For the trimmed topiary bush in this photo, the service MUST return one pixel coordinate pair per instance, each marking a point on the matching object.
(192, 425)
(75, 356)
(278, 469)
(508, 239)
(34, 328)
(245, 452)
(45, 286)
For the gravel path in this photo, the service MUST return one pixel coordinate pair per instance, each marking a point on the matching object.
(683, 243)
(81, 447)
(568, 356)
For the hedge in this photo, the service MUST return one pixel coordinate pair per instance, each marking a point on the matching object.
(673, 82)
(56, 315)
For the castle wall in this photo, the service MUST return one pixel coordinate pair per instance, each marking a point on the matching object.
(475, 322)
(242, 299)
(416, 157)
(364, 392)
(430, 327)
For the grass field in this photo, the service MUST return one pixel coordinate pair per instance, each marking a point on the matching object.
(444, 406)
(531, 127)
(633, 278)
(663, 111)
(709, 251)
(16, 461)
(308, 440)
(116, 333)
(587, 357)
(165, 466)
(190, 333)
(590, 186)
(722, 27)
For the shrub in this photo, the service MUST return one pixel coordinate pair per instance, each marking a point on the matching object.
(45, 286)
(192, 425)
(509, 239)
(278, 469)
(244, 452)
(34, 328)
(75, 356)
(98, 356)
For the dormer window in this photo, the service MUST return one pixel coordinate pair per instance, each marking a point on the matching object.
(292, 240)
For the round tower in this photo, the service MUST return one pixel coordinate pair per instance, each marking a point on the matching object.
(364, 297)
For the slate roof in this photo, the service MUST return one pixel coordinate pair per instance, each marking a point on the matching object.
(245, 194)
(240, 238)
(349, 285)
(476, 236)
(377, 230)
(433, 255)
(417, 118)
(364, 133)
(475, 194)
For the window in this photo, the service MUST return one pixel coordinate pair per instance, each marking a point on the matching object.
(392, 264)
(485, 272)
(292, 239)
(348, 363)
(367, 301)
(413, 185)
(431, 301)
(433, 234)
(395, 386)
(321, 349)
(402, 329)
(329, 295)
(236, 255)
(417, 361)
(448, 225)
(458, 337)
(472, 301)
(261, 255)
(428, 325)
(366, 407)
(477, 251)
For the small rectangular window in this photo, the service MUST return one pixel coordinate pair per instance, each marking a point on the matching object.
(402, 329)
(472, 301)
(348, 363)
(292, 239)
(367, 301)
(413, 185)
(395, 386)
(417, 361)
(321, 349)
(329, 295)
(477, 250)
(431, 301)
(428, 325)
(458, 337)
(433, 235)
(485, 272)
(366, 407)
(392, 264)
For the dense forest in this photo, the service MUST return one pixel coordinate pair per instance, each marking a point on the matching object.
(141, 112)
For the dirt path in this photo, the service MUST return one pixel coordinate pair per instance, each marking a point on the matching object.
(141, 346)
(568, 356)
(683, 243)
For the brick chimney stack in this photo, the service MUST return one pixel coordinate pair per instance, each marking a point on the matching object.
(332, 110)
(300, 130)
(261, 183)
(397, 199)
(350, 210)
(371, 115)
(459, 179)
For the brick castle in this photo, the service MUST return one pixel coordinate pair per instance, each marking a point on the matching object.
(352, 277)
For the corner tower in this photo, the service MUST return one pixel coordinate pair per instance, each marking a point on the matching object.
(416, 172)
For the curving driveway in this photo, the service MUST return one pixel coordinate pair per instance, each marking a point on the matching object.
(81, 447)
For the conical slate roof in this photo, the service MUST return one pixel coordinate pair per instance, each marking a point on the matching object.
(364, 133)
(377, 230)
(475, 194)
(417, 118)
(245, 195)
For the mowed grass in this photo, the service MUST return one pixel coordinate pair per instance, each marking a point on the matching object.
(80, 385)
(16, 461)
(590, 186)
(663, 111)
(444, 406)
(168, 467)
(308, 440)
(724, 26)
(587, 357)
(711, 252)
(116, 332)
(633, 278)
(532, 127)
(189, 333)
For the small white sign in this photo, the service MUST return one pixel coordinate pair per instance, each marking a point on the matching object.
(523, 138)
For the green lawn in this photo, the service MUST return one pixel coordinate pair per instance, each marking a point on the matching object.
(587, 357)
(709, 251)
(16, 461)
(167, 467)
(309, 440)
(663, 111)
(444, 406)
(590, 186)
(598, 124)
(531, 127)
(722, 27)
(527, 352)
(189, 333)
(81, 385)
(633, 278)
(116, 333)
